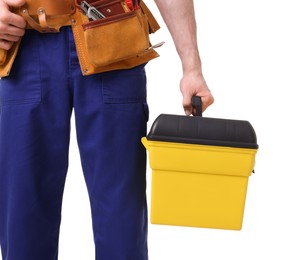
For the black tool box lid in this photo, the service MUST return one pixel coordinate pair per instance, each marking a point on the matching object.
(203, 131)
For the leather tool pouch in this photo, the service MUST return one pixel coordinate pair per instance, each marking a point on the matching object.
(3, 55)
(7, 58)
(118, 41)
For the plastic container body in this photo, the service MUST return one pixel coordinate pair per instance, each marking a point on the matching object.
(200, 185)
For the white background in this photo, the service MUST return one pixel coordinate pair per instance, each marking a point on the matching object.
(247, 53)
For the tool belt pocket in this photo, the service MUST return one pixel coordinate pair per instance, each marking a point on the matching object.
(7, 58)
(116, 38)
(122, 34)
(3, 55)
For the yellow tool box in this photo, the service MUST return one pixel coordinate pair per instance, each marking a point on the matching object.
(200, 170)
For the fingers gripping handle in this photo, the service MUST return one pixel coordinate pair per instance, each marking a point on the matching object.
(197, 104)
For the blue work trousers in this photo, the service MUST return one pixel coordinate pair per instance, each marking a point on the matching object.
(36, 103)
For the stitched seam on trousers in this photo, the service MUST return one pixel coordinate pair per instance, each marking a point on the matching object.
(20, 102)
(123, 100)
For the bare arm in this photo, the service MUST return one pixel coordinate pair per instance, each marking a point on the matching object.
(180, 19)
(11, 25)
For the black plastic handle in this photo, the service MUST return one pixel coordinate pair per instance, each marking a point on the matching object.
(197, 104)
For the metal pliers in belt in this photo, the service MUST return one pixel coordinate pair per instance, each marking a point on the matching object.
(91, 12)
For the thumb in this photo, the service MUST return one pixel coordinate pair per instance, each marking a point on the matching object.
(15, 3)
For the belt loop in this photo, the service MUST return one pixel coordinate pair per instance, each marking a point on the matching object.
(43, 21)
(42, 26)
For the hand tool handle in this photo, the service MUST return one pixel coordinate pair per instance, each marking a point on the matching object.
(197, 104)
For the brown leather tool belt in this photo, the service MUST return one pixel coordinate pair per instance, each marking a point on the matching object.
(49, 16)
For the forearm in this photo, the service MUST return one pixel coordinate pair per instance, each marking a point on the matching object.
(180, 20)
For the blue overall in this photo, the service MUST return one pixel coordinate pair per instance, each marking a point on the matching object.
(36, 103)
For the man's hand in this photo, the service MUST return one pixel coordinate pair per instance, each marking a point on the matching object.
(12, 26)
(194, 84)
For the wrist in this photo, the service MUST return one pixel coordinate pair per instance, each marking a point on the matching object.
(191, 62)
